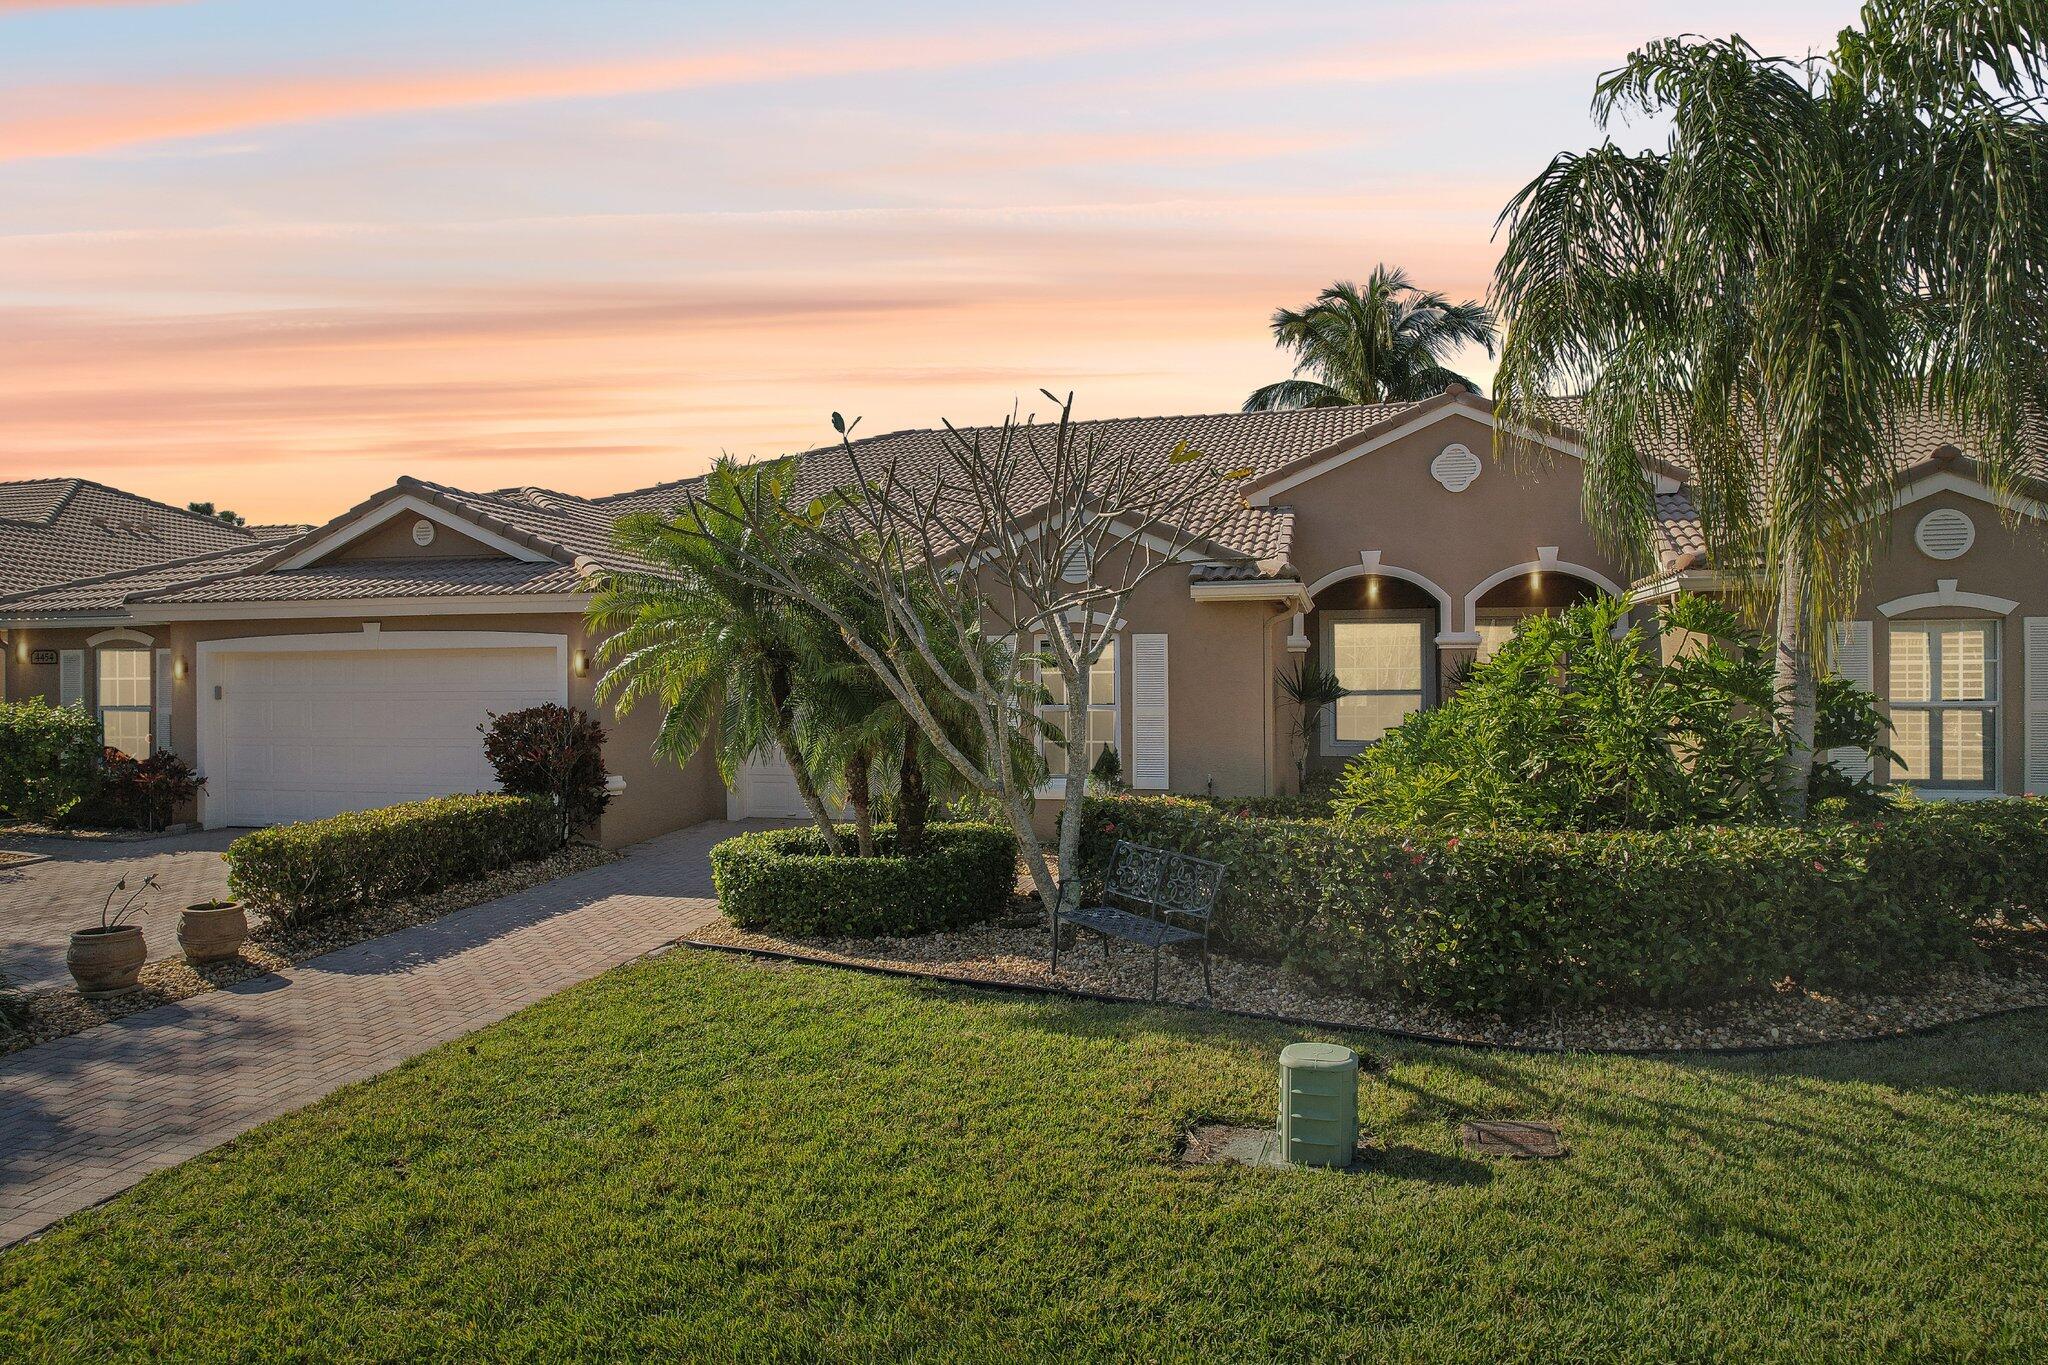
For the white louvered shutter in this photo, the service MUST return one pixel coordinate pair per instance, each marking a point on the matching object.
(2036, 645)
(160, 693)
(71, 677)
(1850, 658)
(1148, 712)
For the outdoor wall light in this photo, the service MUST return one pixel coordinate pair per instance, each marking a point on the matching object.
(178, 668)
(580, 661)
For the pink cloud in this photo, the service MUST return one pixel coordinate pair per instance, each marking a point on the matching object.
(67, 120)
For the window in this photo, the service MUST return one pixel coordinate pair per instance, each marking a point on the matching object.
(1495, 628)
(1944, 703)
(124, 700)
(1379, 664)
(1101, 709)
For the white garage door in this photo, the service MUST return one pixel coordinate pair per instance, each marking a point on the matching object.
(304, 734)
(766, 791)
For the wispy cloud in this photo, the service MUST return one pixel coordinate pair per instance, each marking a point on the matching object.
(69, 120)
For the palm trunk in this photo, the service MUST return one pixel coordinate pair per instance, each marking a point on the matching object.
(861, 797)
(1794, 685)
(913, 797)
(785, 740)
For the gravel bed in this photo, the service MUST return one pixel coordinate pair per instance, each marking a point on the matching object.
(55, 1011)
(1014, 951)
(83, 834)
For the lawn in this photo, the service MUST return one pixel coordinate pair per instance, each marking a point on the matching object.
(701, 1156)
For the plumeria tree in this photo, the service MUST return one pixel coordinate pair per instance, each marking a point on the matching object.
(1009, 536)
(1821, 246)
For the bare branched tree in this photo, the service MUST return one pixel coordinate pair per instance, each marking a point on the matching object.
(1037, 534)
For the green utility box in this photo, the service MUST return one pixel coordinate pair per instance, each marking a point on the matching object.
(1318, 1104)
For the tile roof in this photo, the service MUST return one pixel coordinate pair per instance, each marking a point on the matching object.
(109, 593)
(1258, 441)
(58, 530)
(364, 578)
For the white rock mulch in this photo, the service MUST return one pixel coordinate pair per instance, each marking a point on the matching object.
(1016, 953)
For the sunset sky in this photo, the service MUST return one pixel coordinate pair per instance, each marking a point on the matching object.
(275, 254)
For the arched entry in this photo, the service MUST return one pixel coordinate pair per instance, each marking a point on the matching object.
(1376, 627)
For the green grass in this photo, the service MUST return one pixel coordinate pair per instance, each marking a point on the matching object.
(706, 1157)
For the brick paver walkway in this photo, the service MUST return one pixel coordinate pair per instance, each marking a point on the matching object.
(84, 1117)
(42, 902)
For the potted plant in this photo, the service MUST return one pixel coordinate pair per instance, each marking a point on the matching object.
(106, 958)
(212, 931)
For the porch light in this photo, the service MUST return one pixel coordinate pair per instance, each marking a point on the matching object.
(580, 662)
(178, 668)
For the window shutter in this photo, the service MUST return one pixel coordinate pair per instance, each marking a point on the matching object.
(1148, 712)
(71, 678)
(160, 693)
(2036, 647)
(1851, 659)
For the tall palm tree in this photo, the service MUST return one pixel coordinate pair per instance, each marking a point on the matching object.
(1385, 343)
(694, 636)
(1821, 246)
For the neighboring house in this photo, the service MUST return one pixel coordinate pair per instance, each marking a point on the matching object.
(58, 530)
(351, 666)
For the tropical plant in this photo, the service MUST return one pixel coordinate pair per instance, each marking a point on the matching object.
(1821, 247)
(1578, 724)
(140, 792)
(1385, 343)
(1312, 690)
(135, 904)
(701, 637)
(207, 509)
(49, 759)
(552, 751)
(1019, 505)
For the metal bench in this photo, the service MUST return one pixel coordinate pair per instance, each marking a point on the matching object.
(1148, 890)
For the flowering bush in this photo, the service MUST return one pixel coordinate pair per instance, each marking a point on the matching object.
(1514, 920)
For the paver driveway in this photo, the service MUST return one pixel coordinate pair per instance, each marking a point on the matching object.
(87, 1116)
(43, 901)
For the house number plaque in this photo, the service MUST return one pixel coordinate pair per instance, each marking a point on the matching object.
(42, 656)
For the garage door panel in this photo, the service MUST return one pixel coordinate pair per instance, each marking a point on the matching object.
(308, 734)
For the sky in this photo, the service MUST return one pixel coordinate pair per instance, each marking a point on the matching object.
(274, 255)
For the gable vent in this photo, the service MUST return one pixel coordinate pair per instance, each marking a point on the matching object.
(1945, 533)
(1455, 468)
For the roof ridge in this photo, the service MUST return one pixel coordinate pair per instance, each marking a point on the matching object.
(1138, 417)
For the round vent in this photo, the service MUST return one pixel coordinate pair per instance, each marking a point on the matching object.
(423, 532)
(1945, 533)
(1455, 468)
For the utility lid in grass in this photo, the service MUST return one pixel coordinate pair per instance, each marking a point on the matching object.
(1511, 1138)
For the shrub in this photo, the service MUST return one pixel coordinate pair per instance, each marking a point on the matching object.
(783, 881)
(143, 793)
(1575, 726)
(308, 871)
(49, 759)
(551, 751)
(1510, 920)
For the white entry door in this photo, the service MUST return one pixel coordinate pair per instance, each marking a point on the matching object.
(304, 733)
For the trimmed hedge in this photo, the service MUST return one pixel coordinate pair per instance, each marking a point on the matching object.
(783, 881)
(49, 758)
(1514, 921)
(311, 870)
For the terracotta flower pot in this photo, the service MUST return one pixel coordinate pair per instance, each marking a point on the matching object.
(106, 962)
(213, 932)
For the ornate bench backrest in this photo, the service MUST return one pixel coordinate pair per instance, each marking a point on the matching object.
(1164, 882)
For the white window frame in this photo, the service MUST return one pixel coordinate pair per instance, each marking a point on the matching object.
(1994, 664)
(1056, 783)
(1423, 619)
(146, 707)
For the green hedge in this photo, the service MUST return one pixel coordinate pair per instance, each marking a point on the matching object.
(49, 759)
(783, 881)
(307, 871)
(1516, 921)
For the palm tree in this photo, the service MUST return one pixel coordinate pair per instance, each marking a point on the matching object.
(1385, 343)
(695, 636)
(1821, 247)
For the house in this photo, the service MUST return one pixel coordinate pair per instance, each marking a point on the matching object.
(350, 666)
(57, 530)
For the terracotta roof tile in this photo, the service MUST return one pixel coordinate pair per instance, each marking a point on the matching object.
(58, 530)
(364, 578)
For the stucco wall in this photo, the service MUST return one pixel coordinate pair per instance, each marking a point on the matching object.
(393, 540)
(659, 795)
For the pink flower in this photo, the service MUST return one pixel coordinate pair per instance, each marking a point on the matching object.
(1415, 859)
(1451, 842)
(1819, 866)
(1108, 828)
(1386, 876)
